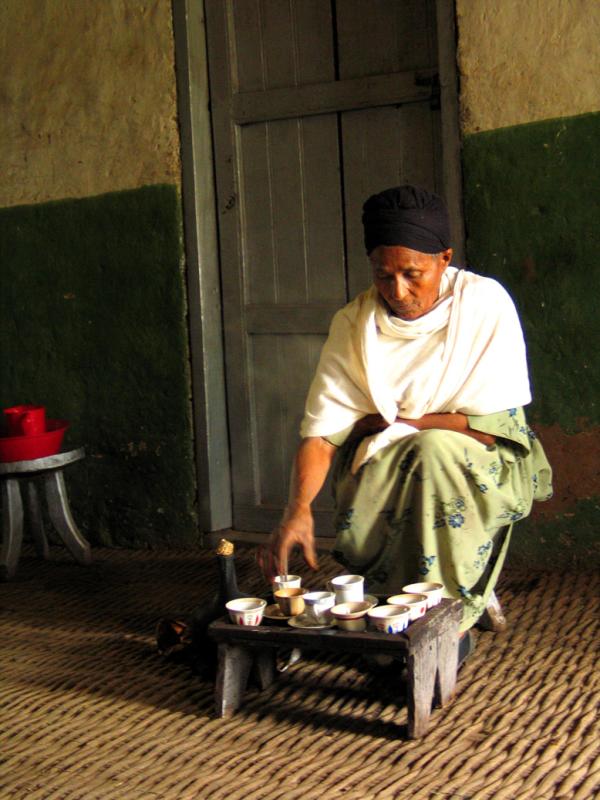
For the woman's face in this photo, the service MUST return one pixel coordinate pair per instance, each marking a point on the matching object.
(408, 281)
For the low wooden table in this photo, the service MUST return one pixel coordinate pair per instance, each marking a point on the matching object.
(429, 646)
(49, 472)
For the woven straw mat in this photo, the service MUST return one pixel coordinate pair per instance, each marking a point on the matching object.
(90, 711)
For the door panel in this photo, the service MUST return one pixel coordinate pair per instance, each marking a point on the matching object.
(275, 43)
(386, 147)
(280, 366)
(293, 167)
(291, 210)
(377, 37)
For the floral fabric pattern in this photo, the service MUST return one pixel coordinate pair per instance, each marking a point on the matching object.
(439, 506)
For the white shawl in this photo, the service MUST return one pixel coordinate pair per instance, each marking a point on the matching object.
(482, 370)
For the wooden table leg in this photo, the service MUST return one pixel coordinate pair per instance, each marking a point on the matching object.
(447, 658)
(233, 668)
(12, 528)
(62, 519)
(265, 666)
(34, 520)
(422, 668)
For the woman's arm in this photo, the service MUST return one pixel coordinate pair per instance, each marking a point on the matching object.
(311, 466)
(374, 423)
(449, 422)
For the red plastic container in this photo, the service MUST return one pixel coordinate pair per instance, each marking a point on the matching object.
(26, 448)
(26, 420)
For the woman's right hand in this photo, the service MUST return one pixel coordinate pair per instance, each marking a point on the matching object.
(311, 465)
(296, 530)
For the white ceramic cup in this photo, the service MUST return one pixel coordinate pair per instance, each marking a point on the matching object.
(246, 610)
(390, 619)
(318, 606)
(286, 582)
(347, 588)
(416, 602)
(433, 591)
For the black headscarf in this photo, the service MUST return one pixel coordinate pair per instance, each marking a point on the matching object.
(406, 216)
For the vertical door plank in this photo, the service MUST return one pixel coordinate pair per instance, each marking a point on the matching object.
(282, 368)
(385, 147)
(287, 209)
(380, 37)
(245, 55)
(269, 416)
(256, 216)
(416, 125)
(312, 24)
(296, 377)
(323, 214)
(367, 37)
(291, 211)
(280, 55)
(324, 500)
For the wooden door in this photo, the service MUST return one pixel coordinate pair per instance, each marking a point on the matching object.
(315, 106)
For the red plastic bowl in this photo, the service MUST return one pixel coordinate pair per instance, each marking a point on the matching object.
(26, 448)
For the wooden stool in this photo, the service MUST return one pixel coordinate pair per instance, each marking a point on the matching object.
(429, 645)
(48, 470)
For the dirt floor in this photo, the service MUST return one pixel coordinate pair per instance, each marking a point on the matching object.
(89, 711)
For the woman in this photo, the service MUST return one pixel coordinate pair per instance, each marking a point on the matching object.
(419, 393)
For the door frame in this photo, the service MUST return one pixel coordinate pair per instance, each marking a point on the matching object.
(211, 439)
(209, 407)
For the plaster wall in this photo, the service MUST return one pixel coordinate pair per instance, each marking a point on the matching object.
(527, 61)
(530, 101)
(93, 314)
(87, 98)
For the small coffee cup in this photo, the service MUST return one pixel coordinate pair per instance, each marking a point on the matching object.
(416, 602)
(290, 601)
(246, 610)
(433, 591)
(286, 582)
(319, 605)
(347, 588)
(390, 619)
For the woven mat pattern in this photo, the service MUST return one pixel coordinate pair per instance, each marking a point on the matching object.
(89, 711)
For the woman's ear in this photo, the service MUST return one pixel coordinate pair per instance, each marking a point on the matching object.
(446, 256)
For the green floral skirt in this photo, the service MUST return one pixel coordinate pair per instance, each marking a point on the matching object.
(436, 506)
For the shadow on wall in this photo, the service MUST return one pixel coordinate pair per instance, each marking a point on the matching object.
(532, 209)
(93, 316)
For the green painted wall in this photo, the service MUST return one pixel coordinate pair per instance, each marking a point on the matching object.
(93, 325)
(532, 211)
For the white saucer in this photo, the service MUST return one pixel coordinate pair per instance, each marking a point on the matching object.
(308, 623)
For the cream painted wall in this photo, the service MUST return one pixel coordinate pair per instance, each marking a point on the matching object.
(527, 60)
(87, 98)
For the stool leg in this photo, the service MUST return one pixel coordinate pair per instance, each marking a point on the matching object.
(62, 519)
(12, 528)
(265, 667)
(422, 668)
(447, 658)
(34, 520)
(232, 676)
